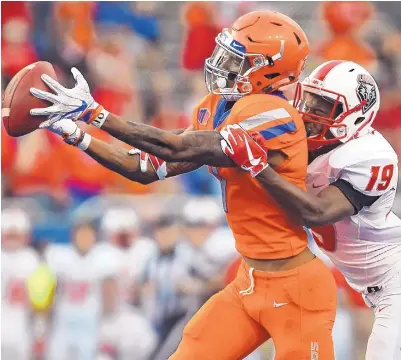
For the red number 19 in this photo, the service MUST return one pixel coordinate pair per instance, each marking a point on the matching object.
(385, 177)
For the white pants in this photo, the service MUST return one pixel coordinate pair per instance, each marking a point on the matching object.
(16, 341)
(342, 334)
(130, 333)
(385, 341)
(73, 337)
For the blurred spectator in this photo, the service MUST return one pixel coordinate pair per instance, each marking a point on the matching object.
(16, 47)
(199, 19)
(345, 19)
(43, 34)
(75, 22)
(18, 262)
(38, 170)
(132, 15)
(388, 120)
(115, 89)
(86, 286)
(8, 151)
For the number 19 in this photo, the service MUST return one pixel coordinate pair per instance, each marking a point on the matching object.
(385, 175)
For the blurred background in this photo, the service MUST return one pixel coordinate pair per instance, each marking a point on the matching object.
(134, 262)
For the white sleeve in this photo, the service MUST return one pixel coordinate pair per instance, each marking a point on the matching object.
(32, 260)
(108, 261)
(56, 256)
(372, 177)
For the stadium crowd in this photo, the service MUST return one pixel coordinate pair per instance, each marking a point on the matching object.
(155, 253)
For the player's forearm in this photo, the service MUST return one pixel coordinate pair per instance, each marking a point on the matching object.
(119, 161)
(200, 147)
(155, 141)
(309, 209)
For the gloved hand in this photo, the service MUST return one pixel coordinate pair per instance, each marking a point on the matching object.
(69, 131)
(159, 165)
(243, 149)
(75, 104)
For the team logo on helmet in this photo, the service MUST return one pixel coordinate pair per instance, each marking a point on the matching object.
(366, 91)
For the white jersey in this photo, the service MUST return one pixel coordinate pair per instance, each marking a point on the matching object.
(212, 256)
(131, 264)
(367, 246)
(16, 267)
(79, 280)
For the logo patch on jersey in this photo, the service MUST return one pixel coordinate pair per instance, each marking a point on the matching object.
(366, 90)
(203, 116)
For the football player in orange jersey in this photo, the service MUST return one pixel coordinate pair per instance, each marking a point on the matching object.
(282, 290)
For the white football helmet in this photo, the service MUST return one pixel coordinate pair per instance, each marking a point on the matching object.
(350, 88)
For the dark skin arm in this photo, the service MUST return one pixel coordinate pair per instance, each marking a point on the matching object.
(328, 207)
(119, 161)
(200, 147)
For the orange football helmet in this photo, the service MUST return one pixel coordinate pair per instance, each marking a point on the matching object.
(263, 51)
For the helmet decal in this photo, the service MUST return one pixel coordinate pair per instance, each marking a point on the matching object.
(366, 92)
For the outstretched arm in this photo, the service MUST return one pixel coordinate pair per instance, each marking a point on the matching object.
(120, 161)
(200, 147)
(77, 103)
(135, 165)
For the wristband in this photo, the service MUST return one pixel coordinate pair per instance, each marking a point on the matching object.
(85, 142)
(99, 120)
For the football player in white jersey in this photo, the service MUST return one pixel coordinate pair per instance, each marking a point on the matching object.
(352, 181)
(125, 330)
(18, 262)
(86, 282)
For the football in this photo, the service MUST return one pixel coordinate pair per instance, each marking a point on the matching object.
(18, 101)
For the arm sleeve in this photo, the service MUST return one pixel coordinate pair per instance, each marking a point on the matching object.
(356, 198)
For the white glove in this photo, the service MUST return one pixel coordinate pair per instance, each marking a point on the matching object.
(75, 104)
(69, 131)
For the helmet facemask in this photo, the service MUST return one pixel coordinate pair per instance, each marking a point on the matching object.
(227, 70)
(324, 122)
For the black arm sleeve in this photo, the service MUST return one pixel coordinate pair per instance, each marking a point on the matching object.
(356, 198)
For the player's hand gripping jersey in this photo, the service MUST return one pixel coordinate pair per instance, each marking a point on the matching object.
(365, 247)
(260, 226)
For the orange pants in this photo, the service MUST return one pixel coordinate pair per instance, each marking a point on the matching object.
(296, 308)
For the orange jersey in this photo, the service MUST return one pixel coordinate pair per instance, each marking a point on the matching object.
(261, 228)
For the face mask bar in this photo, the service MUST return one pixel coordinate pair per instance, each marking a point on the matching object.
(224, 70)
(336, 125)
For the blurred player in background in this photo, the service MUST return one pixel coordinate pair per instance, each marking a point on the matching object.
(161, 300)
(119, 227)
(125, 333)
(352, 182)
(18, 263)
(204, 255)
(282, 290)
(86, 292)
